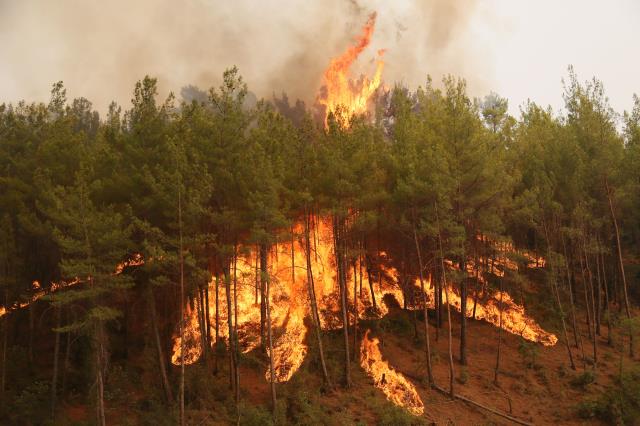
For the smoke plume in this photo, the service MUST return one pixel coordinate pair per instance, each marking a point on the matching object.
(99, 49)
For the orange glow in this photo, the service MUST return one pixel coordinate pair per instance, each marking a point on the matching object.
(290, 305)
(344, 96)
(135, 260)
(394, 385)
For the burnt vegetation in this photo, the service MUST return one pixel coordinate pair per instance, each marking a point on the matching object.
(222, 260)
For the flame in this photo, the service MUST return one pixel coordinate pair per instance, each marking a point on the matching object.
(290, 305)
(394, 385)
(135, 260)
(345, 97)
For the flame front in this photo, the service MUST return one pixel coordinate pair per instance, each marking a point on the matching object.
(344, 96)
(290, 305)
(394, 385)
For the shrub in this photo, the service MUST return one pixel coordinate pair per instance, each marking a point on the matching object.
(253, 415)
(464, 376)
(529, 353)
(618, 404)
(582, 380)
(32, 404)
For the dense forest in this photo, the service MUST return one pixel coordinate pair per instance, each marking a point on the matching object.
(155, 260)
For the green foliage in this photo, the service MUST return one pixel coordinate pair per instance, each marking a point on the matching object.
(528, 352)
(463, 376)
(184, 184)
(619, 403)
(32, 403)
(583, 379)
(255, 415)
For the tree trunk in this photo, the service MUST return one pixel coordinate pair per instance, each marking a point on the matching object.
(556, 290)
(236, 343)
(207, 318)
(463, 311)
(595, 335)
(263, 307)
(101, 418)
(370, 279)
(156, 334)
(201, 324)
(446, 293)
(182, 319)
(355, 313)
(341, 264)
(231, 340)
(425, 310)
(56, 357)
(5, 341)
(587, 303)
(266, 278)
(312, 299)
(620, 263)
(599, 291)
(67, 354)
(500, 308)
(576, 335)
(606, 301)
(217, 341)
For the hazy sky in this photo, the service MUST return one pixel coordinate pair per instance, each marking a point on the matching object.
(519, 49)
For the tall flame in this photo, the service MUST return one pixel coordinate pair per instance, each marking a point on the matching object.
(395, 386)
(345, 97)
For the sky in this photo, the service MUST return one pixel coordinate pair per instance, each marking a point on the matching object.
(519, 49)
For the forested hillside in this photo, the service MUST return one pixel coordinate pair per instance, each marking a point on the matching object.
(217, 260)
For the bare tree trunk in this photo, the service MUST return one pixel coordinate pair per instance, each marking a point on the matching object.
(231, 339)
(599, 291)
(236, 343)
(156, 334)
(202, 324)
(425, 307)
(620, 263)
(556, 290)
(267, 279)
(182, 319)
(501, 308)
(207, 320)
(67, 354)
(215, 368)
(463, 310)
(56, 357)
(341, 264)
(606, 300)
(312, 299)
(101, 418)
(31, 332)
(576, 335)
(263, 307)
(355, 312)
(5, 341)
(446, 293)
(587, 303)
(595, 335)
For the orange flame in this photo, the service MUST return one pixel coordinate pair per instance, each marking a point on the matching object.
(394, 385)
(290, 304)
(343, 96)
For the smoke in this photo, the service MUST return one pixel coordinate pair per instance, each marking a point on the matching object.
(100, 49)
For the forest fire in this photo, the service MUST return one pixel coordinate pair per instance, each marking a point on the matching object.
(345, 97)
(394, 385)
(290, 305)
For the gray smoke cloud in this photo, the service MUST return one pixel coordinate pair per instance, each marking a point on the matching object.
(99, 49)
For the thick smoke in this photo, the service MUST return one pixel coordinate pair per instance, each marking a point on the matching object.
(99, 49)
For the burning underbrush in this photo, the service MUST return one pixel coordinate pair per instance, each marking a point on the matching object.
(394, 385)
(289, 301)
